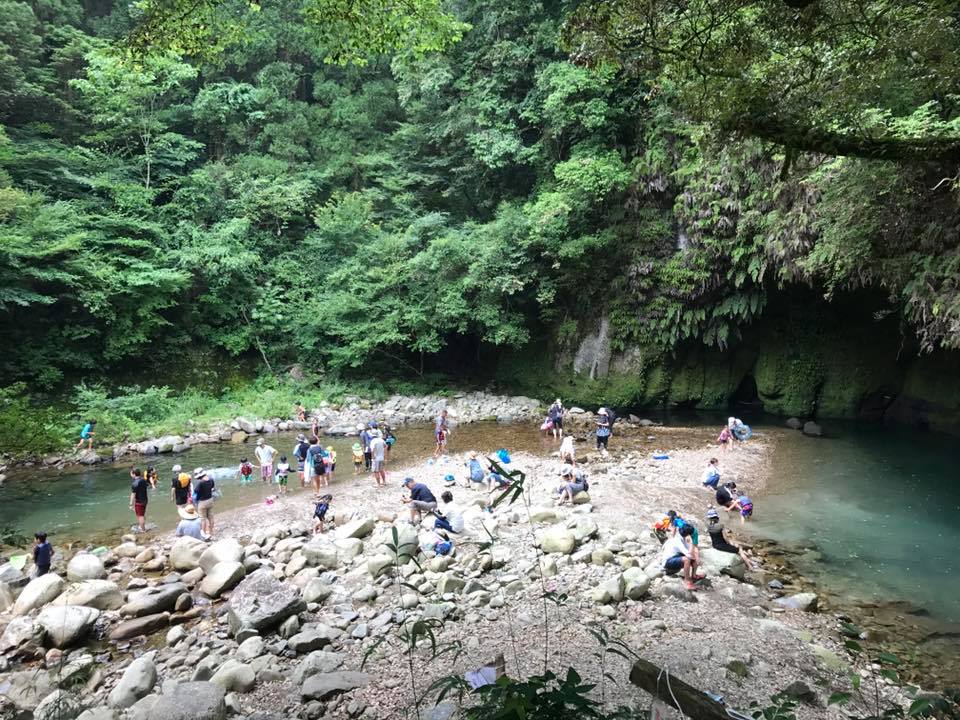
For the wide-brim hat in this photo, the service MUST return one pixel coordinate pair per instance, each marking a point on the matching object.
(189, 512)
(199, 474)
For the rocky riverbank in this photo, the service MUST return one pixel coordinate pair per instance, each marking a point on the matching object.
(269, 621)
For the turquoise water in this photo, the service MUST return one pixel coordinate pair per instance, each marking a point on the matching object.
(877, 510)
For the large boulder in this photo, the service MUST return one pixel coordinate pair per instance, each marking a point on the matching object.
(404, 547)
(21, 634)
(38, 593)
(715, 562)
(234, 676)
(811, 428)
(585, 529)
(378, 564)
(261, 602)
(226, 550)
(26, 689)
(191, 701)
(99, 594)
(356, 528)
(636, 583)
(58, 705)
(222, 577)
(557, 540)
(85, 566)
(801, 601)
(11, 575)
(321, 553)
(322, 686)
(137, 681)
(6, 597)
(151, 601)
(610, 590)
(66, 625)
(185, 553)
(140, 626)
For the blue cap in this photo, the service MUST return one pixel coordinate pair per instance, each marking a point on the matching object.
(406, 480)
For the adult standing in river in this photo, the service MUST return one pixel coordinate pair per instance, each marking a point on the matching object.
(265, 454)
(300, 453)
(365, 444)
(555, 413)
(603, 429)
(180, 490)
(314, 466)
(139, 495)
(440, 430)
(378, 451)
(203, 487)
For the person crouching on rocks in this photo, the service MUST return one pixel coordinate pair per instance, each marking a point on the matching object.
(711, 475)
(568, 453)
(190, 524)
(572, 482)
(475, 471)
(680, 554)
(420, 500)
(320, 513)
(719, 542)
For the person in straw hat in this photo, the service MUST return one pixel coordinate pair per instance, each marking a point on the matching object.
(189, 525)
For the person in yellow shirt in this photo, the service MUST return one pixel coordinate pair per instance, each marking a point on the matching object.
(331, 463)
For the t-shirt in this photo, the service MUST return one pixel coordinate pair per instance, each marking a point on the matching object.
(139, 489)
(378, 449)
(441, 423)
(365, 440)
(421, 493)
(204, 489)
(283, 469)
(711, 475)
(555, 411)
(675, 546)
(42, 554)
(190, 528)
(476, 470)
(723, 496)
(300, 451)
(180, 494)
(454, 517)
(603, 426)
(314, 452)
(86, 430)
(265, 454)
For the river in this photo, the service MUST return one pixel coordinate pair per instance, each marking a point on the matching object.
(871, 516)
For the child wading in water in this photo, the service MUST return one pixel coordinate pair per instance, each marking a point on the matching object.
(331, 465)
(320, 513)
(283, 472)
(245, 471)
(357, 458)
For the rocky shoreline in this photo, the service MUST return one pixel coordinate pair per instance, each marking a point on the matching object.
(271, 622)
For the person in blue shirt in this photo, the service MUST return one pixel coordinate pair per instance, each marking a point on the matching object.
(42, 553)
(603, 429)
(420, 500)
(86, 435)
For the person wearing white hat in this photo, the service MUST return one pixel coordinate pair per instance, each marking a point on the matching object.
(190, 524)
(603, 429)
(203, 487)
(378, 456)
(555, 413)
(265, 455)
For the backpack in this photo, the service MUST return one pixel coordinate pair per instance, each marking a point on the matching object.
(476, 471)
(611, 417)
(246, 469)
(586, 485)
(318, 464)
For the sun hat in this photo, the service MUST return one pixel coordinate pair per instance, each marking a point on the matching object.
(712, 513)
(566, 470)
(602, 411)
(199, 473)
(376, 433)
(356, 446)
(259, 441)
(329, 448)
(301, 436)
(188, 512)
(177, 468)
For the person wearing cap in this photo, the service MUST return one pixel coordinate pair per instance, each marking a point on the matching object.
(180, 489)
(265, 455)
(365, 438)
(603, 429)
(300, 453)
(203, 495)
(475, 470)
(572, 482)
(378, 454)
(420, 500)
(555, 413)
(719, 542)
(190, 524)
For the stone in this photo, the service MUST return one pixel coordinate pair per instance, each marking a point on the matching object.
(84, 566)
(137, 681)
(99, 713)
(222, 577)
(238, 437)
(58, 705)
(13, 577)
(321, 553)
(601, 556)
(557, 540)
(348, 548)
(548, 566)
(313, 638)
(288, 628)
(450, 583)
(636, 583)
(21, 634)
(99, 594)
(127, 550)
(715, 562)
(356, 529)
(801, 601)
(316, 591)
(226, 550)
(378, 564)
(191, 701)
(27, 689)
(541, 514)
(153, 600)
(261, 602)
(322, 686)
(610, 590)
(175, 635)
(794, 423)
(185, 553)
(234, 676)
(318, 661)
(828, 659)
(140, 626)
(251, 648)
(812, 428)
(38, 593)
(67, 625)
(192, 577)
(581, 498)
(407, 544)
(585, 529)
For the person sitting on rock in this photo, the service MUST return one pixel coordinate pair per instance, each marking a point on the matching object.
(573, 482)
(475, 470)
(190, 524)
(711, 475)
(680, 554)
(719, 542)
(677, 523)
(449, 518)
(420, 500)
(496, 481)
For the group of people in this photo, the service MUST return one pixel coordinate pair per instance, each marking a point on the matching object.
(553, 423)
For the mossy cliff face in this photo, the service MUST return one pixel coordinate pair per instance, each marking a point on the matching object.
(805, 359)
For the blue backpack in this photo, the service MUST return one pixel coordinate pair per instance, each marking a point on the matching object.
(504, 456)
(476, 471)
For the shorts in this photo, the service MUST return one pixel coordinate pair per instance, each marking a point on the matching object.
(266, 470)
(42, 570)
(726, 547)
(246, 478)
(574, 488)
(602, 440)
(281, 480)
(321, 516)
(299, 465)
(377, 465)
(557, 423)
(421, 505)
(330, 468)
(746, 511)
(140, 509)
(205, 509)
(712, 482)
(674, 564)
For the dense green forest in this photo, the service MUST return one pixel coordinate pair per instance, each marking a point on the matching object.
(673, 166)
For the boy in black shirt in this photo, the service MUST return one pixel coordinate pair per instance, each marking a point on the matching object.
(138, 498)
(42, 553)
